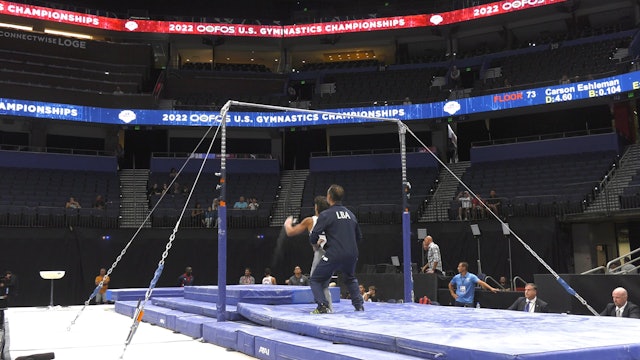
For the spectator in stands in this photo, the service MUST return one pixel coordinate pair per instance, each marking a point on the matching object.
(293, 94)
(119, 155)
(463, 286)
(503, 282)
(297, 278)
(454, 77)
(187, 278)
(247, 279)
(628, 267)
(477, 208)
(176, 189)
(118, 91)
(101, 296)
(72, 204)
(452, 149)
(268, 279)
(407, 101)
(173, 173)
(620, 307)
(11, 290)
(3, 303)
(185, 190)
(493, 202)
(614, 267)
(565, 79)
(210, 217)
(370, 296)
(507, 83)
(434, 260)
(464, 211)
(362, 290)
(99, 203)
(241, 204)
(197, 215)
(155, 190)
(165, 188)
(253, 204)
(530, 302)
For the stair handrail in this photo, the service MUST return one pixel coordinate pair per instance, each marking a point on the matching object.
(618, 269)
(490, 278)
(595, 270)
(518, 278)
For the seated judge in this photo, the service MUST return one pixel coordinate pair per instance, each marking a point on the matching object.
(530, 302)
(620, 307)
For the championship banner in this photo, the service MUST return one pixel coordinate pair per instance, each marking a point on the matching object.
(269, 31)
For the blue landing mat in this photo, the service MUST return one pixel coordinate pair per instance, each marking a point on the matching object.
(196, 307)
(156, 315)
(138, 294)
(192, 325)
(271, 344)
(445, 332)
(257, 294)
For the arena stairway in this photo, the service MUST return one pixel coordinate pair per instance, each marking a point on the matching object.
(437, 208)
(619, 180)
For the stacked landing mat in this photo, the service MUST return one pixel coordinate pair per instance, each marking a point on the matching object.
(139, 293)
(385, 331)
(195, 315)
(253, 339)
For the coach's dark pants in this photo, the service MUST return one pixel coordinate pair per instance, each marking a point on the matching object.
(322, 275)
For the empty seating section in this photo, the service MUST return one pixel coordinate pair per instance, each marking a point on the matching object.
(390, 87)
(263, 187)
(33, 197)
(544, 186)
(188, 88)
(547, 67)
(69, 73)
(630, 197)
(581, 56)
(374, 196)
(57, 69)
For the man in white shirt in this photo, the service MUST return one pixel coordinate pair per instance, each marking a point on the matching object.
(530, 302)
(434, 261)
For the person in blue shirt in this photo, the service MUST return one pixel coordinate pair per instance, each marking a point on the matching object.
(241, 204)
(342, 233)
(463, 286)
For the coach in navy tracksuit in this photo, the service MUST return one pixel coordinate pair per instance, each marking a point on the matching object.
(341, 228)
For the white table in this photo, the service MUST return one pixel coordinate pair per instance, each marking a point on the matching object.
(52, 275)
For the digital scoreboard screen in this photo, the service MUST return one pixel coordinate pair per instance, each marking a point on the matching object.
(481, 104)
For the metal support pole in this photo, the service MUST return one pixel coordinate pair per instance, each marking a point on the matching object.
(406, 219)
(51, 297)
(510, 264)
(479, 262)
